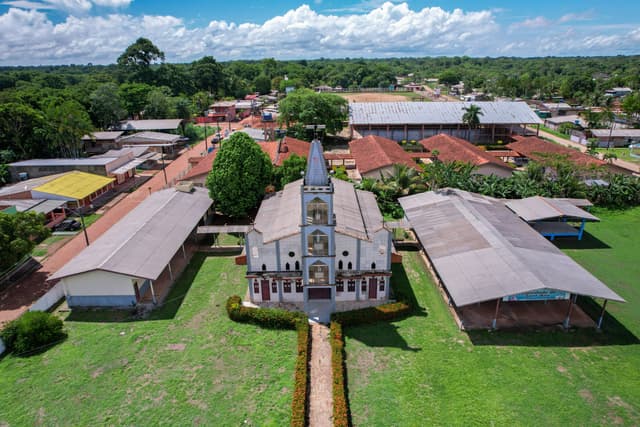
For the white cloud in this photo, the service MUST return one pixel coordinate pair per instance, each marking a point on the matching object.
(582, 16)
(112, 3)
(30, 37)
(537, 22)
(69, 6)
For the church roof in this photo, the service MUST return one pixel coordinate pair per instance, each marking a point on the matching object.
(356, 211)
(316, 173)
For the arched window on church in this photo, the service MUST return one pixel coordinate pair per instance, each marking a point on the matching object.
(287, 266)
(340, 265)
(297, 265)
(318, 273)
(318, 243)
(317, 211)
(264, 267)
(349, 266)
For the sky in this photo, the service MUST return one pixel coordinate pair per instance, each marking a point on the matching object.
(51, 32)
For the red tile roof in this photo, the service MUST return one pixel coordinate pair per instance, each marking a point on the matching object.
(535, 148)
(271, 149)
(203, 167)
(375, 152)
(453, 149)
(290, 146)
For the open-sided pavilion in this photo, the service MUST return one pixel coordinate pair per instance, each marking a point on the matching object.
(484, 253)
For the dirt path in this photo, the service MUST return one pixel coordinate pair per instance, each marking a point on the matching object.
(321, 394)
(18, 298)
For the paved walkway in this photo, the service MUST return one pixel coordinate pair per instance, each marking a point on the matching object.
(16, 299)
(321, 378)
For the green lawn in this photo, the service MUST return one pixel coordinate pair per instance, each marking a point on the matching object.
(554, 132)
(42, 248)
(187, 364)
(88, 219)
(621, 152)
(424, 371)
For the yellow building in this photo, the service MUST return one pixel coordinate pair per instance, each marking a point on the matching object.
(79, 189)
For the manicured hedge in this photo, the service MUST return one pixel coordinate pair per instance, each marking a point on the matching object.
(268, 317)
(282, 319)
(340, 403)
(379, 313)
(300, 392)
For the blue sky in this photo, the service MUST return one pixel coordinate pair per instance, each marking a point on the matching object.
(80, 31)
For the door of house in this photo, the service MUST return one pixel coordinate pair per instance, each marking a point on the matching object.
(373, 288)
(266, 295)
(320, 293)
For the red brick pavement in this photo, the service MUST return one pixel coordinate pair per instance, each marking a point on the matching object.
(19, 297)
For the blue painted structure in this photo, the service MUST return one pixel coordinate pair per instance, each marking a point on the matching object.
(101, 300)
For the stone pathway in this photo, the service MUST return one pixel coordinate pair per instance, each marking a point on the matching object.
(321, 378)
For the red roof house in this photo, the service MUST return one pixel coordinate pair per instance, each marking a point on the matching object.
(451, 149)
(375, 156)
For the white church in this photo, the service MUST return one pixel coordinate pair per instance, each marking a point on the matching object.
(319, 241)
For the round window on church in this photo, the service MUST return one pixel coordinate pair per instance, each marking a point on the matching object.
(292, 254)
(345, 253)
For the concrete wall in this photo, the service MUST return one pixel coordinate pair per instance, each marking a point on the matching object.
(49, 299)
(99, 289)
(376, 251)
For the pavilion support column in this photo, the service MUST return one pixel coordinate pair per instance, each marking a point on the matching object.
(538, 130)
(153, 292)
(494, 323)
(184, 253)
(406, 132)
(604, 307)
(567, 320)
(170, 271)
(493, 133)
(581, 229)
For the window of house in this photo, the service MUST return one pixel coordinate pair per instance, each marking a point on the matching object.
(318, 273)
(340, 265)
(317, 212)
(351, 286)
(264, 267)
(274, 287)
(318, 244)
(381, 287)
(287, 266)
(349, 266)
(256, 287)
(373, 265)
(299, 287)
(297, 265)
(363, 286)
(286, 286)
(340, 286)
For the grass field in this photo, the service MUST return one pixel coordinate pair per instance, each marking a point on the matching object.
(424, 371)
(42, 249)
(621, 152)
(187, 364)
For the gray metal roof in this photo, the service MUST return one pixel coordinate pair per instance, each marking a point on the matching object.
(483, 251)
(90, 161)
(34, 205)
(137, 151)
(146, 137)
(28, 185)
(163, 124)
(356, 211)
(418, 113)
(616, 133)
(208, 229)
(101, 136)
(316, 171)
(143, 242)
(542, 208)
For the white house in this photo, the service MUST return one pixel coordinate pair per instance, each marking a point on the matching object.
(121, 266)
(319, 241)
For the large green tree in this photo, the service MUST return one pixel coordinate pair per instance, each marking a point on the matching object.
(306, 107)
(207, 74)
(66, 124)
(158, 104)
(18, 234)
(134, 97)
(21, 129)
(240, 174)
(290, 170)
(136, 60)
(106, 105)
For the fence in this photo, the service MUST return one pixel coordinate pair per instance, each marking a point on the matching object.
(23, 267)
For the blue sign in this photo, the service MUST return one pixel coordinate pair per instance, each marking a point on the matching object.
(538, 295)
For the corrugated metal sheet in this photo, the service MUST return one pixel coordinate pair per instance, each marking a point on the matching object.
(431, 113)
(75, 185)
(143, 242)
(163, 124)
(541, 208)
(483, 251)
(357, 213)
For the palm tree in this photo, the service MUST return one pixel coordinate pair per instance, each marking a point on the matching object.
(471, 117)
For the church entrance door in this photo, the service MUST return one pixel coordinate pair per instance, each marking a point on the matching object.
(266, 296)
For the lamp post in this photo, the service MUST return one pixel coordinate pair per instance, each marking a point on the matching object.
(84, 228)
(163, 169)
(206, 117)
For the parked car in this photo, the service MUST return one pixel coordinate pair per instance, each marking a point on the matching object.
(68, 225)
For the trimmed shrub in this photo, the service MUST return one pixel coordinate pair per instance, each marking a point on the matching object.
(340, 402)
(379, 313)
(267, 317)
(31, 332)
(301, 386)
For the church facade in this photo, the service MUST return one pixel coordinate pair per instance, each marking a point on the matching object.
(318, 240)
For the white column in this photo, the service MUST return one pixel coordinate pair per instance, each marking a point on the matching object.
(153, 292)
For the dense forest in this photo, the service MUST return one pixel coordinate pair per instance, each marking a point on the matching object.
(44, 111)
